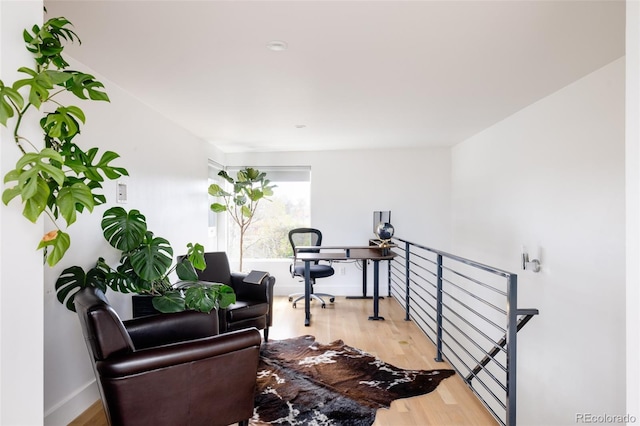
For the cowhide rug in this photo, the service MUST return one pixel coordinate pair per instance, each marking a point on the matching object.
(303, 382)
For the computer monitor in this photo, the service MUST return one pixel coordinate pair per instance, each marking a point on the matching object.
(380, 216)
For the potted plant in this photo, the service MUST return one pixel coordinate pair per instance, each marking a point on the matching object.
(53, 176)
(249, 187)
(146, 263)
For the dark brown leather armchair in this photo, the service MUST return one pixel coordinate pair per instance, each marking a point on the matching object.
(254, 302)
(169, 369)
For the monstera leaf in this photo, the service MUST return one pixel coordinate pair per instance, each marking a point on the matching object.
(195, 254)
(205, 297)
(201, 298)
(169, 302)
(124, 280)
(226, 295)
(72, 279)
(124, 230)
(186, 271)
(152, 259)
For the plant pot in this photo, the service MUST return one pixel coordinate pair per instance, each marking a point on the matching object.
(142, 306)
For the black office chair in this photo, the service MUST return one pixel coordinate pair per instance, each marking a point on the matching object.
(309, 237)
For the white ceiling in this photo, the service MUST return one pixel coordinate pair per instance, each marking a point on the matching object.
(357, 74)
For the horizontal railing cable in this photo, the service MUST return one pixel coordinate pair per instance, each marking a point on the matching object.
(481, 333)
(471, 356)
(503, 293)
(475, 312)
(487, 388)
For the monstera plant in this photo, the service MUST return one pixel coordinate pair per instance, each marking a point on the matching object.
(146, 262)
(249, 187)
(53, 176)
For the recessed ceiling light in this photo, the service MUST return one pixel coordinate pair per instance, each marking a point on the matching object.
(277, 45)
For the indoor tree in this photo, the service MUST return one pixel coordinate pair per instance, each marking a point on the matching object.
(250, 186)
(54, 176)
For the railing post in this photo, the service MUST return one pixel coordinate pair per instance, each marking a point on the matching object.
(407, 268)
(439, 311)
(512, 330)
(389, 278)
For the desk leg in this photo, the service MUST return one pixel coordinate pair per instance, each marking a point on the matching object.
(307, 293)
(364, 278)
(364, 283)
(376, 290)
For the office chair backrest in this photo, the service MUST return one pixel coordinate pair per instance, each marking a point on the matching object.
(305, 237)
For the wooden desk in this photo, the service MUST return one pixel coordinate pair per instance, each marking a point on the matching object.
(308, 254)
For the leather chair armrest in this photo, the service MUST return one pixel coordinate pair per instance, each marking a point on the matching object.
(262, 292)
(178, 353)
(164, 329)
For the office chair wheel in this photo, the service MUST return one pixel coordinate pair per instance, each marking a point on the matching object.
(294, 306)
(291, 299)
(324, 306)
(333, 299)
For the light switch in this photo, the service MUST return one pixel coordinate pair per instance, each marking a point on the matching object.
(121, 196)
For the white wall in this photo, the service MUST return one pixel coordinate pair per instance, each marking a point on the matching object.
(633, 207)
(167, 183)
(348, 186)
(551, 177)
(21, 327)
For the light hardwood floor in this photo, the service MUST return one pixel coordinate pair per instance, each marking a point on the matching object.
(394, 340)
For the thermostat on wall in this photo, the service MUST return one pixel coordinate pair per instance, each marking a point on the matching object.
(121, 192)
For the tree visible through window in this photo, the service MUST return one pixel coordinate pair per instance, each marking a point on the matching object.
(216, 239)
(288, 208)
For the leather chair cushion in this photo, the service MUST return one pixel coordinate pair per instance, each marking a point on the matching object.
(246, 309)
(259, 323)
(217, 270)
(157, 330)
(317, 271)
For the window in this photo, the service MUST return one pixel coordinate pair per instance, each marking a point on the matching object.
(288, 208)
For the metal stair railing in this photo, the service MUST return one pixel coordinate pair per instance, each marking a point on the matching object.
(469, 311)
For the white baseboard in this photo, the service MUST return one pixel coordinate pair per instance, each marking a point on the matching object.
(74, 405)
